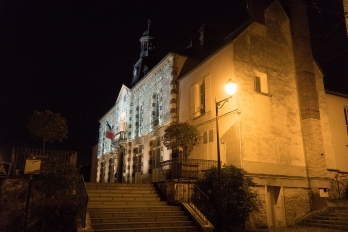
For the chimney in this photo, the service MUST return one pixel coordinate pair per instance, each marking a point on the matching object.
(256, 10)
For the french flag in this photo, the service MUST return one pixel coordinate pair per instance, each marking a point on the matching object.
(109, 133)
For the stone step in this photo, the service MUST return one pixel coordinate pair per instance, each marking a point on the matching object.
(118, 186)
(103, 214)
(89, 184)
(338, 214)
(127, 219)
(141, 224)
(125, 203)
(110, 208)
(120, 191)
(328, 222)
(330, 226)
(151, 229)
(118, 194)
(334, 218)
(128, 207)
(111, 199)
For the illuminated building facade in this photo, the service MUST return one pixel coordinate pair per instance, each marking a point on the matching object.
(280, 126)
(138, 120)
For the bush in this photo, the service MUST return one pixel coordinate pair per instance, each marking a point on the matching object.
(54, 204)
(238, 198)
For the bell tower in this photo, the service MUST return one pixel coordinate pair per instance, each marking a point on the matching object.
(147, 56)
(147, 43)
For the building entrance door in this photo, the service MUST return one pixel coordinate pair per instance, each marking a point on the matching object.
(119, 173)
(275, 206)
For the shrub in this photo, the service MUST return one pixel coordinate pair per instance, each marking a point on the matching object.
(54, 204)
(238, 198)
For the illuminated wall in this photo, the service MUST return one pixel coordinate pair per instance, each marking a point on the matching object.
(142, 112)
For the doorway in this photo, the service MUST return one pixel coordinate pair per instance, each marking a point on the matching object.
(275, 206)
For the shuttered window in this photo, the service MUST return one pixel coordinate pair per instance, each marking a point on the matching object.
(200, 101)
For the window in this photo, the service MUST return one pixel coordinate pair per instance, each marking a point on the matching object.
(346, 117)
(211, 136)
(155, 109)
(260, 83)
(156, 153)
(137, 159)
(200, 97)
(205, 137)
(208, 135)
(139, 120)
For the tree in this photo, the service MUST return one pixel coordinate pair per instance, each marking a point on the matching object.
(181, 135)
(47, 126)
(239, 199)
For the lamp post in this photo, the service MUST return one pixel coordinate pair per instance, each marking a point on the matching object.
(230, 88)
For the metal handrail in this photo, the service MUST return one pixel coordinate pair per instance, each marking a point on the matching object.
(82, 200)
(194, 208)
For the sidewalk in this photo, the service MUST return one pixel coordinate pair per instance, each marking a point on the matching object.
(296, 229)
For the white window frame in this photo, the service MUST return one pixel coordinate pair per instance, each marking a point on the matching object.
(199, 107)
(208, 136)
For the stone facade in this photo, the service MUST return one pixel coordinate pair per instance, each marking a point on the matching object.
(258, 219)
(297, 203)
(138, 120)
(279, 126)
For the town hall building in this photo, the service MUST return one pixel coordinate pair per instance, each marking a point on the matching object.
(280, 125)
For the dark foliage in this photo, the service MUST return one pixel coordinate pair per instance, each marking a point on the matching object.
(238, 198)
(182, 136)
(47, 126)
(54, 202)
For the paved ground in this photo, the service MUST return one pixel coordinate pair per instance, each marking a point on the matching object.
(297, 229)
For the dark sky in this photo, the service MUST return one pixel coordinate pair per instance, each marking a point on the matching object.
(71, 57)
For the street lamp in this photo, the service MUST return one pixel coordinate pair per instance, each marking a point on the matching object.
(230, 88)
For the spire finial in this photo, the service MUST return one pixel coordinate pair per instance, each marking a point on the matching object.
(148, 24)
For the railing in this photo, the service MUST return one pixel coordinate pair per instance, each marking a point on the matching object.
(184, 173)
(186, 168)
(82, 200)
(119, 137)
(340, 186)
(190, 197)
(19, 155)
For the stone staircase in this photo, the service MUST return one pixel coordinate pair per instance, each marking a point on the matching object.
(133, 207)
(332, 218)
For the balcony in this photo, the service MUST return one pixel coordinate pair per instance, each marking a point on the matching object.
(181, 168)
(120, 137)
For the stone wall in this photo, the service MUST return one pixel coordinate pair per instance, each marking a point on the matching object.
(258, 219)
(297, 204)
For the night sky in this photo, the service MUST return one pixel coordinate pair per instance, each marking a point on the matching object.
(71, 57)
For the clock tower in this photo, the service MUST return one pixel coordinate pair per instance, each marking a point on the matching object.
(147, 56)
